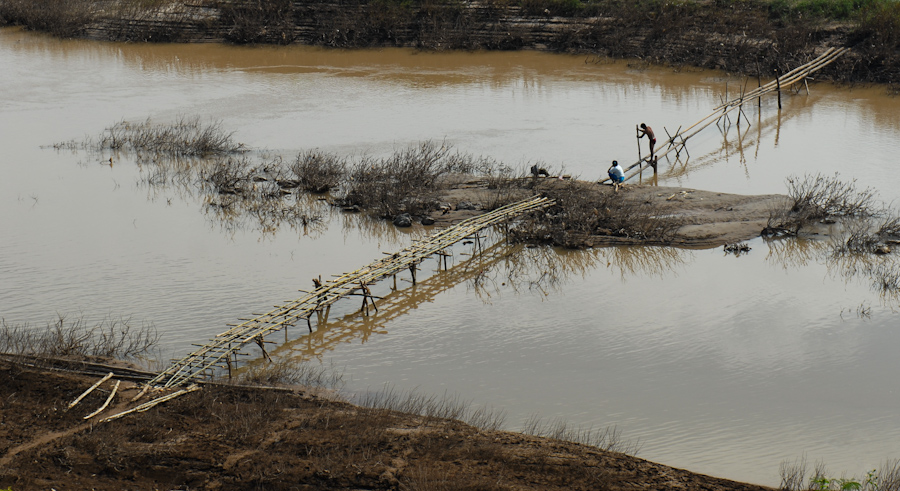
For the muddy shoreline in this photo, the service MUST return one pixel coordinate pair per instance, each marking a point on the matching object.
(738, 37)
(225, 437)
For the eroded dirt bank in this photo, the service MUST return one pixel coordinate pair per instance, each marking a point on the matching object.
(747, 37)
(245, 438)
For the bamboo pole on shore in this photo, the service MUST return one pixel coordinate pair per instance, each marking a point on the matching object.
(108, 400)
(91, 389)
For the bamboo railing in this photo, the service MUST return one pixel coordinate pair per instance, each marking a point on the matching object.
(679, 139)
(217, 353)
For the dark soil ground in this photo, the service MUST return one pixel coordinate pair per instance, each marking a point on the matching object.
(223, 437)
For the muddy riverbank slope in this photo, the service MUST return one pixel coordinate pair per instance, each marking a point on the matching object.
(224, 437)
(751, 37)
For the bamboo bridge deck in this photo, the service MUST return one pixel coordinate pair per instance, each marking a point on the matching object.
(394, 305)
(217, 353)
(677, 142)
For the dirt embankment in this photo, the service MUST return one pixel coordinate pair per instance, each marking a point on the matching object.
(223, 438)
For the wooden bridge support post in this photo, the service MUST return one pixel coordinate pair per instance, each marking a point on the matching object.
(637, 134)
(758, 85)
(778, 87)
(262, 346)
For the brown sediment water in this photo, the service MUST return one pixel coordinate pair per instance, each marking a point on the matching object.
(720, 364)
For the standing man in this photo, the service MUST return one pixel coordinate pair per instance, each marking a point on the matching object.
(646, 130)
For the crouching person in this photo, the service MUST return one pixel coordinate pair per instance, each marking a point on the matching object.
(616, 174)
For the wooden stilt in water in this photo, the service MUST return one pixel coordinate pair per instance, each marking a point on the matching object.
(778, 87)
(758, 85)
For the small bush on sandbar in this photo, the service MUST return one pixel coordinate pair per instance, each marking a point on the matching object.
(404, 182)
(818, 197)
(317, 171)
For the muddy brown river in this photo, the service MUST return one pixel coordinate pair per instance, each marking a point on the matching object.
(715, 363)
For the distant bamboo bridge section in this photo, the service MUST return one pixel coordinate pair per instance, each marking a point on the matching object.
(218, 352)
(677, 142)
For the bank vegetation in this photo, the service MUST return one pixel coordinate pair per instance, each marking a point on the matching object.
(751, 37)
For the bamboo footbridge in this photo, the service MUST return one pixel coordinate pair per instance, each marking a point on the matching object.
(678, 141)
(217, 353)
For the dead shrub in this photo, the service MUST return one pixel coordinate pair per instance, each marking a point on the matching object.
(579, 217)
(793, 475)
(242, 193)
(184, 137)
(404, 182)
(817, 197)
(317, 171)
(258, 21)
(229, 175)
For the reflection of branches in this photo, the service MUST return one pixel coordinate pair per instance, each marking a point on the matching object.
(644, 260)
(545, 269)
(795, 252)
(376, 229)
(882, 273)
(266, 212)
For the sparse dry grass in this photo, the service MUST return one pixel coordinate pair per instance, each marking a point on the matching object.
(432, 407)
(111, 338)
(184, 137)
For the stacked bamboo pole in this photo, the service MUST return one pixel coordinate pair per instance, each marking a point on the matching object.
(790, 78)
(213, 354)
